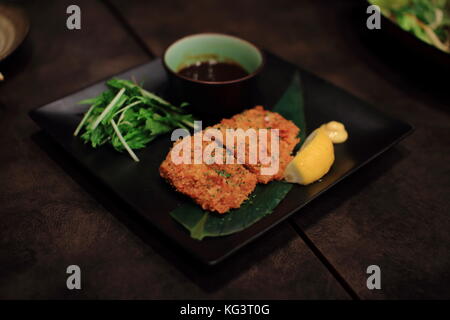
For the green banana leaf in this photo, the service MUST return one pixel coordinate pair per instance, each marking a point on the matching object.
(262, 201)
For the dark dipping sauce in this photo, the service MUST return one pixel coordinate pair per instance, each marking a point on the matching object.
(213, 71)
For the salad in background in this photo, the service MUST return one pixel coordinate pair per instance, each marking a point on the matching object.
(428, 20)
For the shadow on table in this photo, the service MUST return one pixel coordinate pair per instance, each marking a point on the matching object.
(350, 187)
(208, 278)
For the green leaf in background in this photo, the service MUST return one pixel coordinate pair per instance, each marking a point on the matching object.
(390, 4)
(290, 106)
(428, 20)
(262, 201)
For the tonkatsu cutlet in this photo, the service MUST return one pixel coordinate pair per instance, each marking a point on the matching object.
(215, 187)
(221, 187)
(258, 118)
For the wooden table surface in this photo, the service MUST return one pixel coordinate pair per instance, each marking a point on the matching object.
(393, 213)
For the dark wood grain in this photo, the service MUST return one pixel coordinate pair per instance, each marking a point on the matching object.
(51, 215)
(394, 213)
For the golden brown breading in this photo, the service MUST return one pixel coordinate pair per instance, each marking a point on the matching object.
(215, 187)
(258, 118)
(221, 187)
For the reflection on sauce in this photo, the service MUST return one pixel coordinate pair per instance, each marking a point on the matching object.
(213, 71)
(336, 131)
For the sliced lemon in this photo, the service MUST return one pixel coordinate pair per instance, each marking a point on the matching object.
(313, 160)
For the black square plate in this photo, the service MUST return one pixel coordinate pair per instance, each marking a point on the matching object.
(140, 186)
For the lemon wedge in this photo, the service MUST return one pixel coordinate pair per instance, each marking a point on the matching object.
(313, 160)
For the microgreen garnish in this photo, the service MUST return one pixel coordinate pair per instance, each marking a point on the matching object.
(128, 117)
(223, 173)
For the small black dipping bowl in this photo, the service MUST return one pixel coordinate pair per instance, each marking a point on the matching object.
(213, 99)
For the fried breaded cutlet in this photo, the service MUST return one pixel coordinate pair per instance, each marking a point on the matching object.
(215, 187)
(258, 118)
(221, 187)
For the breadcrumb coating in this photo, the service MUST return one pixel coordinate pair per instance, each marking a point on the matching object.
(259, 118)
(215, 187)
(221, 187)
